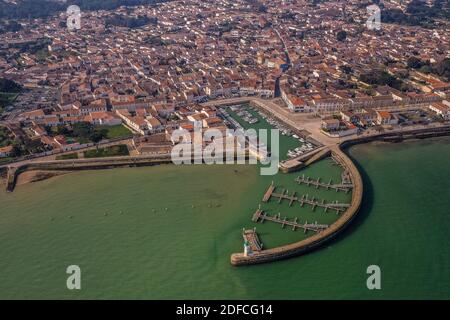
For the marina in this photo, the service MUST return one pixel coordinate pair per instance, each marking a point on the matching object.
(250, 114)
(305, 148)
(247, 116)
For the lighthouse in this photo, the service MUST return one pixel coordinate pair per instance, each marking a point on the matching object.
(247, 249)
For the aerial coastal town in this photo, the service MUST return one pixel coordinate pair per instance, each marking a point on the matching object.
(129, 77)
(106, 105)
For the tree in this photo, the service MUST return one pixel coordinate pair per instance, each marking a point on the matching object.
(414, 63)
(380, 77)
(96, 137)
(82, 129)
(25, 9)
(16, 151)
(346, 69)
(341, 35)
(62, 130)
(426, 69)
(262, 8)
(443, 68)
(7, 85)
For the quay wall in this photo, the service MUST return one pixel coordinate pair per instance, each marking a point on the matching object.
(298, 163)
(398, 136)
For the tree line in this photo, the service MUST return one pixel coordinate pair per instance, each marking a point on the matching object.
(441, 68)
(417, 13)
(130, 22)
(26, 9)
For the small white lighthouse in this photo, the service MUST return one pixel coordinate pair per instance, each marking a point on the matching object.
(247, 249)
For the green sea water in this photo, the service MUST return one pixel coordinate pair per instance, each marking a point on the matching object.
(115, 226)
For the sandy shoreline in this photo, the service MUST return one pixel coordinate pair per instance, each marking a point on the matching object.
(37, 175)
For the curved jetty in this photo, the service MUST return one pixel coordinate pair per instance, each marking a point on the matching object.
(303, 246)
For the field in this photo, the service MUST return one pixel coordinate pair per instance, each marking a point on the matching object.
(68, 156)
(115, 131)
(5, 160)
(114, 151)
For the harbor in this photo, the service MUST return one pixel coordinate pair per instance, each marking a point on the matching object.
(248, 116)
(346, 212)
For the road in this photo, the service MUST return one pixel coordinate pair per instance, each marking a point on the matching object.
(53, 156)
(284, 46)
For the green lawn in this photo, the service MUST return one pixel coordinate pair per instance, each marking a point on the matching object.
(114, 151)
(115, 131)
(5, 160)
(67, 156)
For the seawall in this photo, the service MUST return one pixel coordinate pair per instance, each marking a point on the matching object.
(398, 136)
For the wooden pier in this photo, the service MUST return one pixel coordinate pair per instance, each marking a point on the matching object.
(261, 216)
(346, 187)
(304, 199)
(251, 237)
